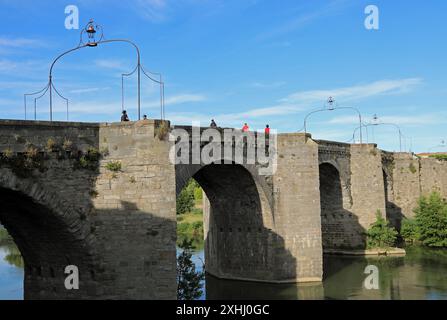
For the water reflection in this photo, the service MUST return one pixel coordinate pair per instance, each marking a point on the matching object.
(417, 276)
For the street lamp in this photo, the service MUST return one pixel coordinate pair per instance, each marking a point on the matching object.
(93, 40)
(331, 105)
(376, 122)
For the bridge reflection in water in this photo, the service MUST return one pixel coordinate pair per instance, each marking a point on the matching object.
(417, 276)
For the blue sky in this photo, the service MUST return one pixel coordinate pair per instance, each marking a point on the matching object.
(255, 61)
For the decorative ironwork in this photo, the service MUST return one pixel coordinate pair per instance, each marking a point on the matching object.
(92, 35)
(376, 123)
(331, 105)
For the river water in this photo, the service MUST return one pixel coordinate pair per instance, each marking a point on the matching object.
(421, 274)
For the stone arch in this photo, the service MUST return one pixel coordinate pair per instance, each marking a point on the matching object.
(340, 227)
(49, 235)
(238, 224)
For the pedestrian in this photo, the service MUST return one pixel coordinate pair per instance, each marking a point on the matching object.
(124, 117)
(267, 130)
(245, 128)
(213, 124)
(145, 117)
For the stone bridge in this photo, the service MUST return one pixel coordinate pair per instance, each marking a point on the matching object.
(103, 197)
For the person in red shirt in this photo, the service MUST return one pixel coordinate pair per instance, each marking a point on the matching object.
(245, 128)
(267, 130)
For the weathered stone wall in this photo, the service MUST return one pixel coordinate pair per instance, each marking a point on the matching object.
(297, 208)
(408, 179)
(433, 176)
(117, 227)
(367, 189)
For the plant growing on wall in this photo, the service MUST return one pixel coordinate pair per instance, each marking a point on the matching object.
(114, 166)
(67, 145)
(51, 145)
(162, 130)
(381, 234)
(89, 160)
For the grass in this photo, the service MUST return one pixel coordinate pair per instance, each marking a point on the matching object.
(190, 218)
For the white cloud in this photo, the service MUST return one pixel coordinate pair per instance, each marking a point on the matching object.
(272, 85)
(110, 64)
(20, 42)
(87, 90)
(152, 10)
(357, 92)
(423, 119)
(303, 19)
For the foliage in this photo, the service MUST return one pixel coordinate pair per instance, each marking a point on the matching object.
(114, 166)
(381, 234)
(4, 235)
(8, 153)
(412, 168)
(67, 145)
(198, 195)
(51, 145)
(442, 157)
(431, 220)
(189, 281)
(31, 153)
(162, 130)
(188, 197)
(185, 201)
(409, 230)
(89, 160)
(23, 164)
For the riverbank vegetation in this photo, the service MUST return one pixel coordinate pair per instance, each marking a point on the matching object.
(190, 215)
(189, 280)
(429, 225)
(381, 234)
(13, 255)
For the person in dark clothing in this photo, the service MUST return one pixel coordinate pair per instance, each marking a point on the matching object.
(213, 124)
(124, 117)
(145, 117)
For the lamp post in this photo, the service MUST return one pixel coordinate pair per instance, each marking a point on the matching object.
(376, 123)
(93, 40)
(331, 106)
(442, 145)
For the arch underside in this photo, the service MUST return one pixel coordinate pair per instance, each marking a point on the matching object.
(340, 227)
(239, 239)
(47, 242)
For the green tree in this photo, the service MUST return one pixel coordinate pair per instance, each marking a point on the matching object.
(381, 234)
(431, 220)
(185, 201)
(189, 286)
(409, 230)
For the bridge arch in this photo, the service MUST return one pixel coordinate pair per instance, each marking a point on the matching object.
(49, 235)
(238, 224)
(340, 227)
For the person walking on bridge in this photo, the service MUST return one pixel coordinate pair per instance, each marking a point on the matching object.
(213, 124)
(267, 130)
(245, 128)
(124, 117)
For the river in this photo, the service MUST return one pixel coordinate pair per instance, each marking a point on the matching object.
(418, 275)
